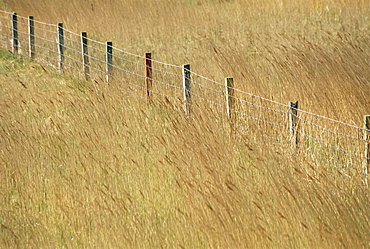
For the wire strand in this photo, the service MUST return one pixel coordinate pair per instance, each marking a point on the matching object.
(73, 40)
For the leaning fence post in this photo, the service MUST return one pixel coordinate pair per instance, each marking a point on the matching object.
(367, 143)
(61, 46)
(31, 38)
(229, 85)
(148, 74)
(85, 55)
(186, 80)
(15, 33)
(109, 60)
(293, 117)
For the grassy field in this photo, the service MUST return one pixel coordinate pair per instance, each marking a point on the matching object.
(84, 165)
(316, 52)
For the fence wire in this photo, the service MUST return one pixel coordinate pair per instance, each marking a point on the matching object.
(340, 143)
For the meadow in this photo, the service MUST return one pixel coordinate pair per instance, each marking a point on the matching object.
(84, 165)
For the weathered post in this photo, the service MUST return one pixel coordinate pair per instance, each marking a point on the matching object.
(85, 55)
(148, 74)
(186, 80)
(229, 85)
(31, 38)
(109, 60)
(61, 46)
(293, 117)
(15, 34)
(367, 143)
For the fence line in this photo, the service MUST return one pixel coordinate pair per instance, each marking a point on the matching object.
(94, 60)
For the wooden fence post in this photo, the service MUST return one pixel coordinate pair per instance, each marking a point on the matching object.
(85, 55)
(15, 33)
(367, 143)
(293, 117)
(61, 46)
(186, 80)
(148, 74)
(31, 38)
(109, 60)
(229, 85)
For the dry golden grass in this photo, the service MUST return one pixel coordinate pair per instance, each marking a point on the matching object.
(316, 52)
(84, 165)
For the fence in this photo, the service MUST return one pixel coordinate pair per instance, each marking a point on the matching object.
(342, 144)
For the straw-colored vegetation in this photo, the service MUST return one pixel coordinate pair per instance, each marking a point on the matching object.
(316, 52)
(83, 165)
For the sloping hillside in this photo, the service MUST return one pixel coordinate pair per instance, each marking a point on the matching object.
(85, 165)
(316, 52)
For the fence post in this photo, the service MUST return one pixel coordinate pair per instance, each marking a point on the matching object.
(15, 33)
(109, 60)
(293, 115)
(85, 55)
(148, 74)
(31, 38)
(367, 143)
(229, 85)
(186, 80)
(61, 46)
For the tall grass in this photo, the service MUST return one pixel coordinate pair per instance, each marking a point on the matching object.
(87, 167)
(313, 51)
(83, 165)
